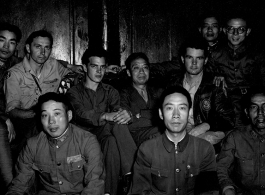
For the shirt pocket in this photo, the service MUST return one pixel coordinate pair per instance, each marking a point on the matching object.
(245, 167)
(44, 172)
(51, 83)
(191, 173)
(160, 179)
(76, 171)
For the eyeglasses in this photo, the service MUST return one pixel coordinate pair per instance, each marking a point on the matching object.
(233, 30)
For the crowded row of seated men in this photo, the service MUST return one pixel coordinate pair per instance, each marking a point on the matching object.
(200, 132)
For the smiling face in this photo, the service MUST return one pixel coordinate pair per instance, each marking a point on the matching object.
(8, 44)
(256, 113)
(175, 113)
(194, 60)
(39, 50)
(210, 30)
(236, 31)
(54, 118)
(139, 71)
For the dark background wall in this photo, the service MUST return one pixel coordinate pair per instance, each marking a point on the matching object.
(156, 27)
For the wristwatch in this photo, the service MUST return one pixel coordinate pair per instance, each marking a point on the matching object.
(138, 115)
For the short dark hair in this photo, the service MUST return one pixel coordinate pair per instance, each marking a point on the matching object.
(250, 94)
(60, 98)
(12, 28)
(135, 56)
(175, 89)
(196, 42)
(208, 14)
(238, 14)
(39, 33)
(94, 51)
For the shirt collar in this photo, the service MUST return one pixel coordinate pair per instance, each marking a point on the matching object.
(254, 134)
(63, 137)
(170, 145)
(197, 81)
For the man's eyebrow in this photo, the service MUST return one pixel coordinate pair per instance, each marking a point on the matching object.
(2, 37)
(169, 104)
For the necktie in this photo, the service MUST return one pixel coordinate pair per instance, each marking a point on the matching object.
(144, 95)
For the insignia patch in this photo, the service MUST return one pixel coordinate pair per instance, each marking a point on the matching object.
(7, 75)
(72, 159)
(206, 104)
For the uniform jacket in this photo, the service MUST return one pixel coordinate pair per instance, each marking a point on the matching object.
(241, 162)
(162, 169)
(73, 166)
(211, 105)
(242, 67)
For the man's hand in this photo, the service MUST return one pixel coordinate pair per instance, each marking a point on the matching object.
(109, 116)
(220, 81)
(229, 191)
(80, 69)
(122, 117)
(11, 130)
(199, 129)
(113, 69)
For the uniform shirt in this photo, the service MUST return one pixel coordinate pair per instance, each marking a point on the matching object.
(162, 169)
(72, 164)
(22, 91)
(243, 154)
(90, 105)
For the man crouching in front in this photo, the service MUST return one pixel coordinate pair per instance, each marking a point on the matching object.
(65, 158)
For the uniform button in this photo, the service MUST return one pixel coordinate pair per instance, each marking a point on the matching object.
(57, 146)
(235, 70)
(177, 189)
(177, 170)
(262, 140)
(262, 155)
(191, 175)
(58, 164)
(60, 182)
(176, 152)
(188, 166)
(78, 166)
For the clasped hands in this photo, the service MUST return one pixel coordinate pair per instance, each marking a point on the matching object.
(121, 116)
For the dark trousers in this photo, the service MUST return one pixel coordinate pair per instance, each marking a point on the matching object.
(119, 152)
(6, 163)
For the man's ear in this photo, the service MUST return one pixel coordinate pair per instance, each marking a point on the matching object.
(200, 29)
(28, 48)
(246, 112)
(128, 73)
(160, 114)
(182, 59)
(84, 67)
(206, 60)
(248, 31)
(70, 115)
(224, 31)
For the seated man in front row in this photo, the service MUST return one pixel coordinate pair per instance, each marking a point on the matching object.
(212, 114)
(66, 159)
(140, 99)
(97, 109)
(171, 162)
(240, 164)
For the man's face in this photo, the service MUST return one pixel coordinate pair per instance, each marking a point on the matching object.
(236, 31)
(54, 118)
(175, 113)
(210, 30)
(194, 61)
(96, 69)
(8, 44)
(39, 50)
(256, 113)
(139, 71)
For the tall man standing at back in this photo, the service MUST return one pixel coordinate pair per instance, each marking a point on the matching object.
(37, 74)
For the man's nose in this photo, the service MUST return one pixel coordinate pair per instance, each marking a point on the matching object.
(6, 45)
(194, 61)
(51, 120)
(176, 113)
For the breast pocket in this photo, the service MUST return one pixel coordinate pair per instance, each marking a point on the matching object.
(160, 179)
(44, 172)
(76, 171)
(190, 176)
(51, 84)
(245, 167)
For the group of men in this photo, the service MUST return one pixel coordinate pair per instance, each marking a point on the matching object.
(116, 135)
